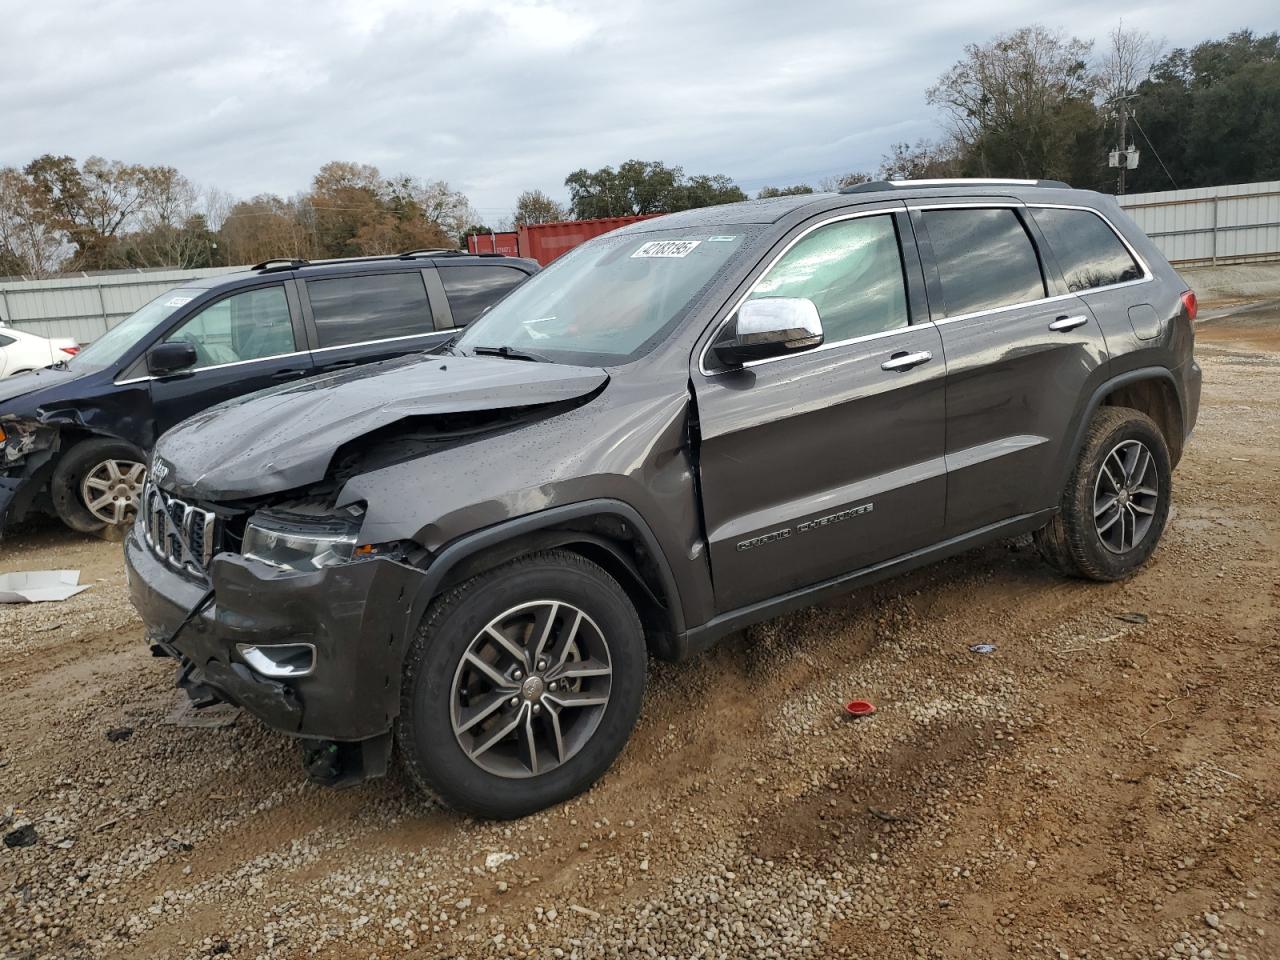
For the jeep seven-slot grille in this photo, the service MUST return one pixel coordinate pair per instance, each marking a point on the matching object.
(184, 535)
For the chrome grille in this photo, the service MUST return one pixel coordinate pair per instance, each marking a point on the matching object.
(167, 522)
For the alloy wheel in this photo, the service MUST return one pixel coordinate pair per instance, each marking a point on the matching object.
(112, 490)
(531, 689)
(1125, 496)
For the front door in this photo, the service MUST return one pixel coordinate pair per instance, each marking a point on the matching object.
(1018, 362)
(244, 342)
(828, 461)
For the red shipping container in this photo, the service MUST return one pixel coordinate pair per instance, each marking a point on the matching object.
(546, 241)
(507, 244)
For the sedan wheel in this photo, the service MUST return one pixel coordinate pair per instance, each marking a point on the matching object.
(112, 490)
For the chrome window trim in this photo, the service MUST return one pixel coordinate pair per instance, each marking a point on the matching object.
(1147, 276)
(855, 215)
(295, 353)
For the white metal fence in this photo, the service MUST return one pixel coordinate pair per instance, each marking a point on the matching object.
(1209, 226)
(85, 307)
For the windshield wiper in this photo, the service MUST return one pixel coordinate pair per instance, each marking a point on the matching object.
(510, 353)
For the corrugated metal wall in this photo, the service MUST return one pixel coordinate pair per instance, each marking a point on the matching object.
(86, 307)
(1239, 223)
(1213, 225)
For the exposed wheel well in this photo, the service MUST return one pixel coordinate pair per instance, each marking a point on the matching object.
(608, 541)
(1159, 401)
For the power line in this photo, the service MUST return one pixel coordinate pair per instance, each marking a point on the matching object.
(1155, 151)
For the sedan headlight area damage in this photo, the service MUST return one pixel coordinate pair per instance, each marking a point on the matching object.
(19, 439)
(26, 454)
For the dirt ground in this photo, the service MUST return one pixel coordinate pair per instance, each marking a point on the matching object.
(1102, 785)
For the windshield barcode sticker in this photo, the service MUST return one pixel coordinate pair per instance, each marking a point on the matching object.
(178, 301)
(666, 248)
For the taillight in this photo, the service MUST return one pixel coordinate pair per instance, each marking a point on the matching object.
(1189, 302)
(71, 351)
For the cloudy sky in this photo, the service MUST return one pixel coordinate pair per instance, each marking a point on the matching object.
(497, 97)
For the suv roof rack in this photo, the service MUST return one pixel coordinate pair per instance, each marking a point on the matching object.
(432, 252)
(279, 263)
(877, 186)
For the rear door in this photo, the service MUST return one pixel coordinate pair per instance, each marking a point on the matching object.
(245, 341)
(831, 460)
(360, 318)
(1019, 357)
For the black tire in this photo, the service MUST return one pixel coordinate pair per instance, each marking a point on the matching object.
(1072, 542)
(429, 749)
(68, 477)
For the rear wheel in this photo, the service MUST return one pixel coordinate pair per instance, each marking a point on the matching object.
(1116, 502)
(522, 686)
(98, 484)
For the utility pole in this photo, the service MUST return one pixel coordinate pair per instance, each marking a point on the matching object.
(1125, 154)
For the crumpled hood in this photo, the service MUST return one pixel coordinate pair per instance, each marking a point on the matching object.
(285, 437)
(22, 384)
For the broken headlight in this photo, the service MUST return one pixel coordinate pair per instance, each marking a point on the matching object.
(299, 544)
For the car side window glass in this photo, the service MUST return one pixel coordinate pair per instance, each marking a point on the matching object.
(252, 325)
(473, 289)
(1088, 251)
(985, 259)
(356, 309)
(5, 341)
(852, 271)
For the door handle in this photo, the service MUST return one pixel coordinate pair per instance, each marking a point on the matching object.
(1069, 323)
(905, 361)
(287, 374)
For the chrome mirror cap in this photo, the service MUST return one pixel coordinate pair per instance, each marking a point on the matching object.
(770, 327)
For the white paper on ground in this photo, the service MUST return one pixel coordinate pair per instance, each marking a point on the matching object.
(38, 586)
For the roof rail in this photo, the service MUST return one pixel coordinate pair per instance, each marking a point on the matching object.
(877, 186)
(279, 263)
(433, 252)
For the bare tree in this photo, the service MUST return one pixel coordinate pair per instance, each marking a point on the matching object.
(926, 160)
(29, 244)
(1016, 102)
(1127, 61)
(834, 184)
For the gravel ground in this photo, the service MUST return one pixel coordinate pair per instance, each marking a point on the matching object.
(1102, 785)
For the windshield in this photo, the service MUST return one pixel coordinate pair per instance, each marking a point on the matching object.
(609, 301)
(113, 344)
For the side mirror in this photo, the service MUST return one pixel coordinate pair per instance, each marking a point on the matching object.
(170, 357)
(770, 327)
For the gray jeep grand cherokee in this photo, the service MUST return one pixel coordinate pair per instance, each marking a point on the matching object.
(678, 429)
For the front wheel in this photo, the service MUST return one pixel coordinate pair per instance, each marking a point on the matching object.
(1116, 502)
(98, 485)
(521, 686)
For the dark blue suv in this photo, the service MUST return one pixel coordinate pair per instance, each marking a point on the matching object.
(74, 438)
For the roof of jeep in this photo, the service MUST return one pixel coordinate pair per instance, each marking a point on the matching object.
(773, 209)
(415, 260)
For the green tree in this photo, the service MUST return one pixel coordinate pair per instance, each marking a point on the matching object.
(767, 192)
(534, 206)
(644, 186)
(1212, 113)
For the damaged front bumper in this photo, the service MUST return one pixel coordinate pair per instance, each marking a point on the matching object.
(26, 462)
(357, 616)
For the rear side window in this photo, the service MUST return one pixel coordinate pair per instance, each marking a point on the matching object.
(471, 289)
(355, 309)
(985, 259)
(1088, 251)
(5, 341)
